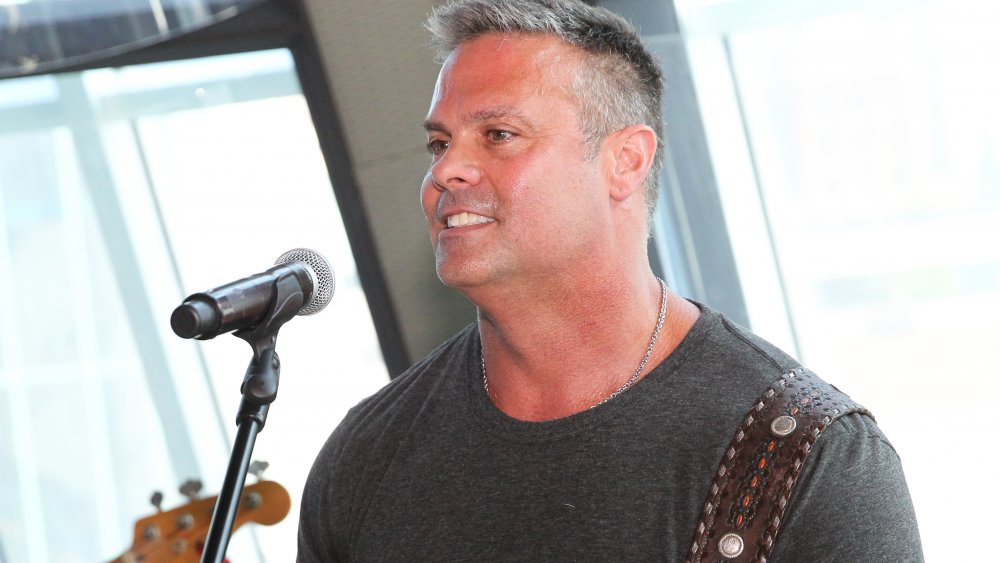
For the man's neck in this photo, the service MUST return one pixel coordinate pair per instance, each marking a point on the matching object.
(567, 347)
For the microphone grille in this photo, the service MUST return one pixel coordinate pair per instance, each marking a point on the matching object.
(324, 283)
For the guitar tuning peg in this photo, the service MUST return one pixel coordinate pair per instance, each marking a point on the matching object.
(191, 488)
(157, 500)
(257, 468)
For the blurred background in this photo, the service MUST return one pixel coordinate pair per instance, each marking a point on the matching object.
(832, 181)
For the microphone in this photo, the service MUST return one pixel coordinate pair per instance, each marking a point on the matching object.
(245, 303)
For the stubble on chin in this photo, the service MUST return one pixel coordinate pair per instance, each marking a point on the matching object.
(461, 274)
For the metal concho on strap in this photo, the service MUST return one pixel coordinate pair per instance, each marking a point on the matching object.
(755, 479)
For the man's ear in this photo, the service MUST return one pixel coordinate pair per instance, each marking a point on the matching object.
(633, 149)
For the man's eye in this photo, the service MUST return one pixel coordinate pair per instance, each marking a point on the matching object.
(499, 135)
(436, 146)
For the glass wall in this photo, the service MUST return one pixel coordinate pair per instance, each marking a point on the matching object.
(857, 155)
(121, 192)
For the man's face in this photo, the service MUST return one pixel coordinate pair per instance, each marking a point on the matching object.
(510, 194)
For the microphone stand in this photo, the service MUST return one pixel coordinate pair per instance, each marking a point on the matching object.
(259, 389)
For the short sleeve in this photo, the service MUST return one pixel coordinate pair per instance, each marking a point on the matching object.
(851, 502)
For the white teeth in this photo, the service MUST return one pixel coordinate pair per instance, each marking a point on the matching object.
(465, 218)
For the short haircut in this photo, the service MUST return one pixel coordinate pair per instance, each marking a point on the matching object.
(619, 83)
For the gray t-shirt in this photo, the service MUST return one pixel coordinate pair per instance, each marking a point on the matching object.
(428, 469)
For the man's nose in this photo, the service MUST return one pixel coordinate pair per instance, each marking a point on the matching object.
(458, 167)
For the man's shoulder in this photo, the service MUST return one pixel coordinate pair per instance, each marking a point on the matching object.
(741, 344)
(350, 465)
(402, 396)
(853, 484)
(722, 365)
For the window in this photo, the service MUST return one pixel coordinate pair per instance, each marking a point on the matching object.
(122, 191)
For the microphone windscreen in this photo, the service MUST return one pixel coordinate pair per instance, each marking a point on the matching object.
(323, 282)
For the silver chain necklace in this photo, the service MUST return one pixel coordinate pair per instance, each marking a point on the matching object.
(638, 371)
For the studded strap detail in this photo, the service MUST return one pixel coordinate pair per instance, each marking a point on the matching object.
(757, 475)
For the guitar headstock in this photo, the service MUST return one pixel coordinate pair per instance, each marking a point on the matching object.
(178, 535)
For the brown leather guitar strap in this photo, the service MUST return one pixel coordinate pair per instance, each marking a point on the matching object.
(755, 479)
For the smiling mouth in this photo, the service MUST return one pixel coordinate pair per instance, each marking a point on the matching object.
(465, 219)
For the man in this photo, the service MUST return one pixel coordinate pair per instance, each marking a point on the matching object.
(582, 418)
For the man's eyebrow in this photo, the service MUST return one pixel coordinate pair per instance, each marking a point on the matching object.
(481, 115)
(434, 126)
(495, 113)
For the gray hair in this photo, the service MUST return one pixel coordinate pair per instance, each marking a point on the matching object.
(620, 84)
